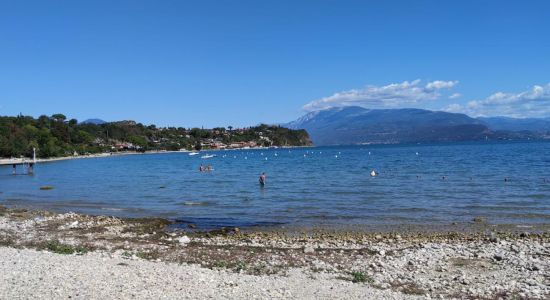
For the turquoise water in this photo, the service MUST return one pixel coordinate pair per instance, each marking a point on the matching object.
(305, 186)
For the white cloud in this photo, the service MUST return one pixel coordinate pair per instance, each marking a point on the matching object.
(391, 95)
(439, 84)
(455, 96)
(534, 102)
(454, 108)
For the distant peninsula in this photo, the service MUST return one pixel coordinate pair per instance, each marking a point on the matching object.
(57, 136)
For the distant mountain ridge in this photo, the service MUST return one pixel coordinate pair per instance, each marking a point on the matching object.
(93, 121)
(514, 124)
(357, 125)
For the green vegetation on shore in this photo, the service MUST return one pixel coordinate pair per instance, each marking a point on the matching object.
(59, 248)
(55, 136)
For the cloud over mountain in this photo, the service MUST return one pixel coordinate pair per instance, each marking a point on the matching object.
(387, 96)
(534, 102)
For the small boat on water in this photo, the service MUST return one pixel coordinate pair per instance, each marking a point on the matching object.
(193, 153)
(208, 156)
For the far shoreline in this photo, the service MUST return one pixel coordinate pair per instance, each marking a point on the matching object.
(4, 161)
(26, 160)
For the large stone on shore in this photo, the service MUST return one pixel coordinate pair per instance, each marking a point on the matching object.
(524, 234)
(309, 249)
(184, 240)
(73, 225)
(498, 257)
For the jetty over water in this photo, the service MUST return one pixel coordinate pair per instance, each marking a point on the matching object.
(24, 161)
(14, 162)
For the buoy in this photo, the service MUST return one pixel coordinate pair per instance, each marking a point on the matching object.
(373, 173)
(266, 158)
(336, 156)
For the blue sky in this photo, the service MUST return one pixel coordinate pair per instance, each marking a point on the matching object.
(220, 63)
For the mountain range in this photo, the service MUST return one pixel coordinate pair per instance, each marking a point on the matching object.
(357, 125)
(513, 124)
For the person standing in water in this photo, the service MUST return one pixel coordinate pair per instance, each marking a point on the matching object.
(262, 179)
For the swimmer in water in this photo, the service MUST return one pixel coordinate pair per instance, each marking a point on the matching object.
(262, 179)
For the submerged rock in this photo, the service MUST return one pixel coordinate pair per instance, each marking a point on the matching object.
(480, 220)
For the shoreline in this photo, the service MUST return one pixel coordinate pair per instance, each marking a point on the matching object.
(488, 262)
(479, 224)
(10, 161)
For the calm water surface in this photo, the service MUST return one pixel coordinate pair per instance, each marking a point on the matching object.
(306, 186)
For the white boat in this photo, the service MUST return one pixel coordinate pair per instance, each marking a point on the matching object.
(208, 156)
(193, 153)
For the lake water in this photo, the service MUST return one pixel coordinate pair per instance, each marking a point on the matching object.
(305, 186)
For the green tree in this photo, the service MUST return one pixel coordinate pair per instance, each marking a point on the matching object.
(59, 117)
(138, 141)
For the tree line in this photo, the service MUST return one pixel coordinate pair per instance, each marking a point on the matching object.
(54, 136)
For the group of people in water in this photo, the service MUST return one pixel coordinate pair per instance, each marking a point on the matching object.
(261, 180)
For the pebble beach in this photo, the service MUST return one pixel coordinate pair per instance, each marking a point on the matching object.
(50, 255)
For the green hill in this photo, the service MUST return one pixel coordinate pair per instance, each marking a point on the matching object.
(56, 136)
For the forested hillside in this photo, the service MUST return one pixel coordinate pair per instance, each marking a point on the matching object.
(54, 135)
